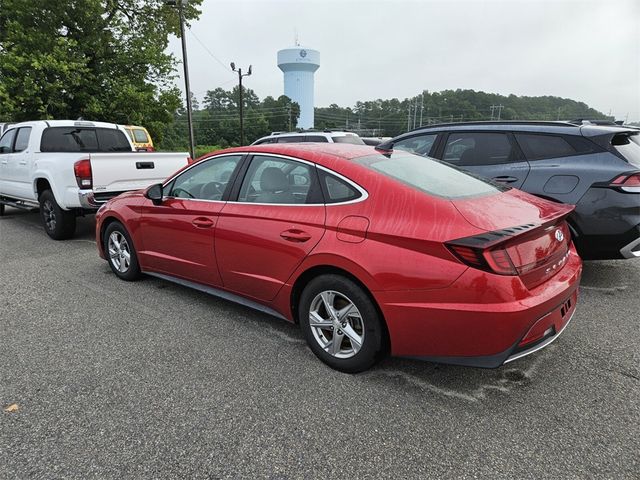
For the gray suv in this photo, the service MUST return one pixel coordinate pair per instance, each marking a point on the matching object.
(596, 168)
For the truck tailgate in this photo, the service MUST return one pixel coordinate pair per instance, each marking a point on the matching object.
(120, 172)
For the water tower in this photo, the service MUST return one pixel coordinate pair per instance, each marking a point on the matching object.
(299, 64)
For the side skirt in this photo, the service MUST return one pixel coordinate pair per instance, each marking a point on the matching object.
(232, 297)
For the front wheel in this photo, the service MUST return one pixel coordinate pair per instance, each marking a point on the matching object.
(120, 252)
(58, 223)
(341, 324)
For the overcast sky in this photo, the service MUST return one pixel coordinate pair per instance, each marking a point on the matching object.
(585, 50)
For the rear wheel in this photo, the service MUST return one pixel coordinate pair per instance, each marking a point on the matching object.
(120, 253)
(341, 324)
(58, 223)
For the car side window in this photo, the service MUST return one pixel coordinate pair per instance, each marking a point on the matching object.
(421, 144)
(337, 190)
(22, 139)
(207, 180)
(278, 180)
(6, 142)
(291, 139)
(538, 147)
(316, 138)
(478, 148)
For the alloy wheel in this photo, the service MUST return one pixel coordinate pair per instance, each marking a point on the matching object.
(119, 252)
(336, 324)
(49, 214)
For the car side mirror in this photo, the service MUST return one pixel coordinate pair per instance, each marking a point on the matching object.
(154, 193)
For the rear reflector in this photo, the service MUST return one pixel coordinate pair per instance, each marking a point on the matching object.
(82, 171)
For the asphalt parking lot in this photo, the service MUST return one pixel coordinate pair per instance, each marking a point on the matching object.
(152, 380)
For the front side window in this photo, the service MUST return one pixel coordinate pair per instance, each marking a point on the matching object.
(208, 180)
(6, 141)
(22, 139)
(421, 144)
(278, 180)
(478, 148)
(428, 175)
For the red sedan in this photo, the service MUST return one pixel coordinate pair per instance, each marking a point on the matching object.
(370, 253)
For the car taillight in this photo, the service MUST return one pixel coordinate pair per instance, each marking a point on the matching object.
(82, 170)
(494, 260)
(628, 182)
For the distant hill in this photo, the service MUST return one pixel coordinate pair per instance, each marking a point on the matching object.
(392, 117)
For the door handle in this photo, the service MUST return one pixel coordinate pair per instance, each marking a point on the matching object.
(505, 179)
(4, 162)
(295, 235)
(202, 222)
(22, 162)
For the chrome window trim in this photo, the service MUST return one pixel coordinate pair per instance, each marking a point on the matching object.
(363, 193)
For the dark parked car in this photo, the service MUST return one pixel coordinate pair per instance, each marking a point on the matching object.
(596, 168)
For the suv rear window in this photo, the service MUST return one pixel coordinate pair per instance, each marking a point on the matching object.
(352, 139)
(539, 146)
(82, 139)
(428, 175)
(629, 147)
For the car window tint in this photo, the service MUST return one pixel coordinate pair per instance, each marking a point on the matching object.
(69, 139)
(428, 175)
(537, 146)
(6, 141)
(421, 144)
(291, 139)
(336, 189)
(207, 180)
(277, 180)
(140, 136)
(22, 139)
(112, 140)
(316, 138)
(477, 148)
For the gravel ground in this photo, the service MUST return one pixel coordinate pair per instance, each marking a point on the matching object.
(152, 380)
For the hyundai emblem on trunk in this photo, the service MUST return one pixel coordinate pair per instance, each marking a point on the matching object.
(559, 235)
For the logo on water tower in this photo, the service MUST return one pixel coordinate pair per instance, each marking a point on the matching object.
(303, 53)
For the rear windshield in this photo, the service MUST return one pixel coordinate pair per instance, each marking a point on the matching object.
(82, 139)
(352, 139)
(140, 136)
(429, 175)
(629, 147)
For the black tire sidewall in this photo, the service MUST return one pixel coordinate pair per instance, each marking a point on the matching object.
(134, 267)
(372, 348)
(65, 221)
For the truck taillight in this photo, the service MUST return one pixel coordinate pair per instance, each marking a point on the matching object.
(82, 170)
(628, 182)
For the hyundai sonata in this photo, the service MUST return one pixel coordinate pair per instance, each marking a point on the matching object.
(370, 253)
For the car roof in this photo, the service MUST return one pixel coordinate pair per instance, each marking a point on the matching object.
(65, 123)
(306, 151)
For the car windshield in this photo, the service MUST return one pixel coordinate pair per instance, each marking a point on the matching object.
(629, 147)
(352, 139)
(429, 175)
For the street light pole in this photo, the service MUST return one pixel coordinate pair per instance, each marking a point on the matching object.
(241, 105)
(180, 4)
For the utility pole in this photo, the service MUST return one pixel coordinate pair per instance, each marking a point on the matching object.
(180, 4)
(409, 119)
(289, 108)
(421, 107)
(415, 112)
(240, 75)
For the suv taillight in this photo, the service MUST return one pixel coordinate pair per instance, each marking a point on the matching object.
(82, 170)
(628, 182)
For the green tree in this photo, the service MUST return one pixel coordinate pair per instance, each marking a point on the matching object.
(97, 59)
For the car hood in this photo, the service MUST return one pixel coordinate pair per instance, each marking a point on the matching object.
(509, 209)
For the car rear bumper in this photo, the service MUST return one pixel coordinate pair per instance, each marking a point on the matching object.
(484, 332)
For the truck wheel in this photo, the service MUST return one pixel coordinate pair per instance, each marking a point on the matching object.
(58, 223)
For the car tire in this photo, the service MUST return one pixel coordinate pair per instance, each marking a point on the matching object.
(120, 252)
(58, 223)
(353, 316)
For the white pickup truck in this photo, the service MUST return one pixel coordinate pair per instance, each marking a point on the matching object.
(68, 168)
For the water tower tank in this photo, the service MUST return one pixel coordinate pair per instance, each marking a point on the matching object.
(299, 64)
